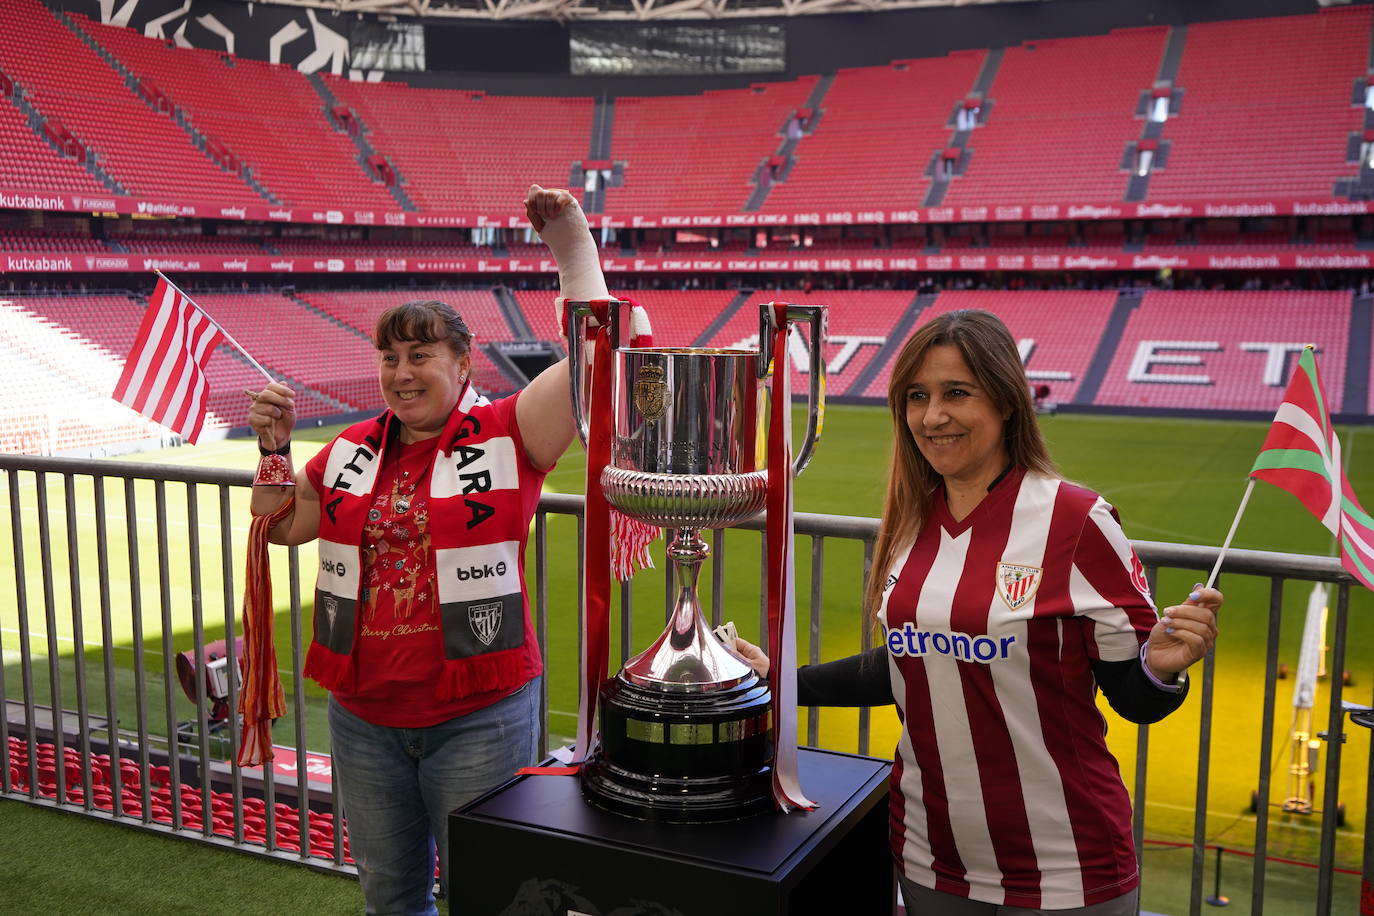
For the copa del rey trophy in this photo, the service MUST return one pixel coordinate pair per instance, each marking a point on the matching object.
(686, 727)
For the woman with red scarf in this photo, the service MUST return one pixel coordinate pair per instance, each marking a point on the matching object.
(422, 630)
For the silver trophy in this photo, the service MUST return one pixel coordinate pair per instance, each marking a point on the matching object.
(685, 726)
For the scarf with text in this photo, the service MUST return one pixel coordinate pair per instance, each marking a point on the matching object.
(477, 534)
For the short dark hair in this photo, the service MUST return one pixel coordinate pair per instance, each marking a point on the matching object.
(423, 320)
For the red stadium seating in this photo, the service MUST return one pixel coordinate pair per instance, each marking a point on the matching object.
(1063, 328)
(60, 401)
(14, 240)
(699, 153)
(678, 317)
(458, 150)
(146, 152)
(478, 308)
(1061, 115)
(268, 117)
(1201, 350)
(316, 835)
(1266, 107)
(859, 322)
(106, 325)
(29, 162)
(877, 131)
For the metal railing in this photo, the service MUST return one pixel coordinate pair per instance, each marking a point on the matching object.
(172, 772)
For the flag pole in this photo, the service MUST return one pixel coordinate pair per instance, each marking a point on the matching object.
(1235, 523)
(228, 338)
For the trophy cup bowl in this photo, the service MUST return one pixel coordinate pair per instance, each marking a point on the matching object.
(685, 726)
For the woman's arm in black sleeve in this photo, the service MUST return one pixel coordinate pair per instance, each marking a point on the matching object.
(859, 680)
(1132, 694)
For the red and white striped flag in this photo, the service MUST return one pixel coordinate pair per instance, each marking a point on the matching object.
(1302, 455)
(164, 377)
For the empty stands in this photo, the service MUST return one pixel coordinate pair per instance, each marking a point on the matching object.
(267, 117)
(1057, 330)
(1266, 107)
(478, 308)
(875, 134)
(29, 162)
(105, 325)
(1218, 350)
(859, 322)
(1060, 115)
(699, 153)
(58, 387)
(460, 150)
(145, 151)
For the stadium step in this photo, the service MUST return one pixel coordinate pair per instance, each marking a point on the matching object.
(1138, 186)
(723, 318)
(366, 152)
(1173, 55)
(895, 341)
(935, 169)
(35, 120)
(198, 139)
(515, 319)
(1126, 303)
(766, 175)
(1357, 357)
(603, 126)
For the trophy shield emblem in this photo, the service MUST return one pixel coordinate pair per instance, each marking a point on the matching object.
(651, 392)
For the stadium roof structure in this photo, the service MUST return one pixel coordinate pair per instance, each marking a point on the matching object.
(623, 10)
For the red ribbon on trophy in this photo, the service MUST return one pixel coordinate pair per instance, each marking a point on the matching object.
(782, 635)
(596, 558)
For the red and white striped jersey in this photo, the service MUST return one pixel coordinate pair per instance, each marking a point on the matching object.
(1003, 788)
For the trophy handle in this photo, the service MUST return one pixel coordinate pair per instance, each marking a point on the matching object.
(813, 315)
(576, 316)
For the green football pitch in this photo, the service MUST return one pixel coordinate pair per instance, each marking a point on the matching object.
(1171, 480)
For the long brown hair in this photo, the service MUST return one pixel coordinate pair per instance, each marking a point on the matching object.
(990, 353)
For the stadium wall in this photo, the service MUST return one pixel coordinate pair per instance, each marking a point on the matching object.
(532, 57)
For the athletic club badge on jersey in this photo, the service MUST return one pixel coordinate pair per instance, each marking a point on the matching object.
(1017, 584)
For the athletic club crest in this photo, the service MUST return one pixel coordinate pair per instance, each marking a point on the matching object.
(1017, 584)
(485, 620)
(651, 392)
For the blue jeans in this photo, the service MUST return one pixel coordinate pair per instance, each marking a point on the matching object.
(398, 786)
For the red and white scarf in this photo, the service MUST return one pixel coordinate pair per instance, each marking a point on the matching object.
(477, 534)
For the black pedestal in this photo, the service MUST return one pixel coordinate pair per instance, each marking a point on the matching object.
(535, 846)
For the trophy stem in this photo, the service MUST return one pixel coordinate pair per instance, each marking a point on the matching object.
(686, 553)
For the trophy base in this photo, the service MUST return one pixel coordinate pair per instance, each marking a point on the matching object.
(683, 758)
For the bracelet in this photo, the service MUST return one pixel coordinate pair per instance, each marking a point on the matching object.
(283, 450)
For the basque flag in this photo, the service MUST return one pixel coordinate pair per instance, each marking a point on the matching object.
(164, 377)
(1302, 455)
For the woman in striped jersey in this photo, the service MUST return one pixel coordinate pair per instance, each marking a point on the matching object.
(1007, 597)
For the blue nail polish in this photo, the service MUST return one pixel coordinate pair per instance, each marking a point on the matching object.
(1169, 630)
(1195, 596)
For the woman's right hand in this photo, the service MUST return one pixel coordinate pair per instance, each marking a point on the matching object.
(273, 414)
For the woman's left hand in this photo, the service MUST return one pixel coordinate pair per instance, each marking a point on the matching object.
(1184, 633)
